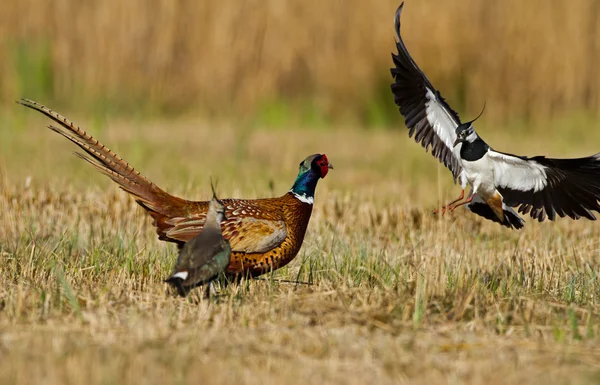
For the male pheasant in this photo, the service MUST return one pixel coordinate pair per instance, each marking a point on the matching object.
(265, 234)
(205, 256)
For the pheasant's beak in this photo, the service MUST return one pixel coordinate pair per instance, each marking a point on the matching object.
(330, 166)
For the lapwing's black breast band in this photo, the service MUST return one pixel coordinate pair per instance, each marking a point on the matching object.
(473, 151)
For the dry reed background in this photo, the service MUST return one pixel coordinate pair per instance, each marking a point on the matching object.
(329, 58)
(397, 295)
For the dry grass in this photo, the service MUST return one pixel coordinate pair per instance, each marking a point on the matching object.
(328, 58)
(396, 295)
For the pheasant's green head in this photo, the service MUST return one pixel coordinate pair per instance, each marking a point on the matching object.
(310, 171)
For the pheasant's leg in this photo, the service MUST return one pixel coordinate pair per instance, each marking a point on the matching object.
(206, 290)
(449, 205)
(466, 201)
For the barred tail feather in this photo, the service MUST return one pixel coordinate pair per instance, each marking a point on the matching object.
(159, 204)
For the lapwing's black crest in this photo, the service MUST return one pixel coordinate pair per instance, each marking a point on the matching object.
(464, 127)
(463, 131)
(539, 186)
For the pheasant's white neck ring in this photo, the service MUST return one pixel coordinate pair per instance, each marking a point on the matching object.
(303, 198)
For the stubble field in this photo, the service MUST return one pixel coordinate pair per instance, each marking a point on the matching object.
(386, 292)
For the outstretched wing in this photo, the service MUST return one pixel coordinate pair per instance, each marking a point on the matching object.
(426, 114)
(548, 187)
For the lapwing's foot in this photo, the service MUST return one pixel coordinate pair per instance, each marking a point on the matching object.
(465, 202)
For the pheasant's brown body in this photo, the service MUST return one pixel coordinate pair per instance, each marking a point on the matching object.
(265, 234)
(291, 211)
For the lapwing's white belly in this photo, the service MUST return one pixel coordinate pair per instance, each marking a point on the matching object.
(480, 175)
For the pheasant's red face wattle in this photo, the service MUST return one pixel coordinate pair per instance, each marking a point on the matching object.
(324, 165)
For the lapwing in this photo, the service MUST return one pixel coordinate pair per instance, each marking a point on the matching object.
(539, 186)
(205, 256)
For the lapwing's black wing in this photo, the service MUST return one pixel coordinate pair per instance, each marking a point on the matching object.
(426, 114)
(546, 187)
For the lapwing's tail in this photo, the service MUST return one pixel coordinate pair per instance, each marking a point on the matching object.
(160, 205)
(511, 219)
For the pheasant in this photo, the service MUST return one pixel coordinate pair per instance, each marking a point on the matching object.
(205, 256)
(265, 234)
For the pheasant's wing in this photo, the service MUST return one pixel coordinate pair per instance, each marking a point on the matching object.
(248, 228)
(426, 114)
(544, 186)
(183, 229)
(254, 235)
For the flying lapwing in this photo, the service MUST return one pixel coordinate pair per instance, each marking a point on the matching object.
(543, 187)
(204, 257)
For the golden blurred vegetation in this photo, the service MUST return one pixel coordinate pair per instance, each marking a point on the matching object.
(313, 60)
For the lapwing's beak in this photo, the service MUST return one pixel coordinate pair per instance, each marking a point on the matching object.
(457, 141)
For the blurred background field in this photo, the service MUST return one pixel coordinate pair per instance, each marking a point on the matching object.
(310, 61)
(243, 91)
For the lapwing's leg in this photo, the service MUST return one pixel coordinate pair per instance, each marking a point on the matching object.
(466, 201)
(449, 205)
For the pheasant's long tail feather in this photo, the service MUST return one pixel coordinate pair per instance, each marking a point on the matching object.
(159, 204)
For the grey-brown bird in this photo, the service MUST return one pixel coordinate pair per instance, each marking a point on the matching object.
(205, 256)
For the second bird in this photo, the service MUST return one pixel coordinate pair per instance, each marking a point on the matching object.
(205, 256)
